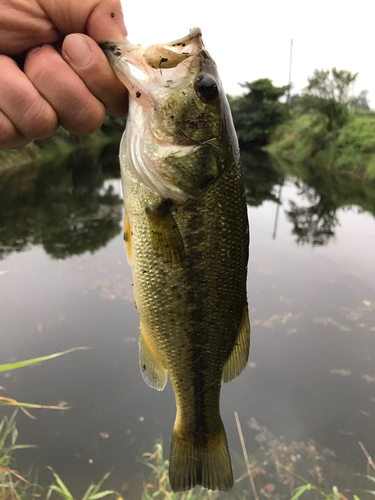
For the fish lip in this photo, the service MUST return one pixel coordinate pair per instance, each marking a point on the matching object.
(116, 49)
(112, 47)
(194, 33)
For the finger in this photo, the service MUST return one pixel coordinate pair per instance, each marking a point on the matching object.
(24, 25)
(78, 110)
(106, 22)
(87, 59)
(102, 20)
(22, 104)
(10, 137)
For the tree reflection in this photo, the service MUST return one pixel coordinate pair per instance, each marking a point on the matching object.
(313, 225)
(322, 193)
(65, 206)
(260, 177)
(326, 192)
(68, 208)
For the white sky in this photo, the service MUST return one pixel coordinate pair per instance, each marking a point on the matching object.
(251, 39)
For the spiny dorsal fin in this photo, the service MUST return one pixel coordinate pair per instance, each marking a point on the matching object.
(165, 235)
(153, 372)
(238, 357)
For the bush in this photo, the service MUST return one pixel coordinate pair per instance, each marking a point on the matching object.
(356, 146)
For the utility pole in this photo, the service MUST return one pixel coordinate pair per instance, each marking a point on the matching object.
(277, 213)
(289, 100)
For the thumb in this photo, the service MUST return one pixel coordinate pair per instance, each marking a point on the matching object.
(106, 22)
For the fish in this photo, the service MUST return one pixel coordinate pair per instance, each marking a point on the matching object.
(186, 235)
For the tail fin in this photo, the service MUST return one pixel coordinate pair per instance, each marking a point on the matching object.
(209, 465)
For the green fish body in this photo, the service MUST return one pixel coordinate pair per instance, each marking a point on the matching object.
(186, 235)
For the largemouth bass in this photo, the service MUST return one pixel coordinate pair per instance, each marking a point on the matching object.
(186, 236)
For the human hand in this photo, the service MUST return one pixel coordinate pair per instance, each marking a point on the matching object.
(66, 79)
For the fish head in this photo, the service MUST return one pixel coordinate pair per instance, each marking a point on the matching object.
(179, 128)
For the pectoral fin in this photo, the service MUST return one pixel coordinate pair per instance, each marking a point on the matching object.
(127, 239)
(165, 235)
(153, 372)
(238, 357)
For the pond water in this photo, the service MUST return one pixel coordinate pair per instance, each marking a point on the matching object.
(311, 287)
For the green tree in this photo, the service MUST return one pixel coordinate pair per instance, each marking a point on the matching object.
(329, 94)
(258, 112)
(360, 102)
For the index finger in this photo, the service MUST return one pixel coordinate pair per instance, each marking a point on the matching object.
(24, 25)
(102, 20)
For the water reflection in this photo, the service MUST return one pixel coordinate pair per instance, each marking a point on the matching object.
(67, 207)
(321, 191)
(64, 206)
(311, 371)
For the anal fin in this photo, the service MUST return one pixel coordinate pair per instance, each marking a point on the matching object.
(238, 357)
(165, 235)
(153, 372)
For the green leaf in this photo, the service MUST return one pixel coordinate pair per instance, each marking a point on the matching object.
(88, 492)
(102, 494)
(60, 482)
(21, 364)
(99, 485)
(335, 493)
(48, 496)
(299, 491)
(13, 402)
(59, 491)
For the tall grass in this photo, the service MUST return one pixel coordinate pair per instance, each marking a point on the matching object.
(12, 484)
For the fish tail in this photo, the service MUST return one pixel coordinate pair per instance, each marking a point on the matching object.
(208, 465)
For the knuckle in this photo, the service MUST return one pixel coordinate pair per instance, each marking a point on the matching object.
(9, 136)
(40, 120)
(87, 117)
(36, 68)
(6, 129)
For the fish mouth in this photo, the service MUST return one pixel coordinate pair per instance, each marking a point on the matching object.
(141, 67)
(179, 50)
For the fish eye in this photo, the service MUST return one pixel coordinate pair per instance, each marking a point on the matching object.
(206, 88)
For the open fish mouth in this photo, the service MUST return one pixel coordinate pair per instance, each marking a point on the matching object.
(141, 67)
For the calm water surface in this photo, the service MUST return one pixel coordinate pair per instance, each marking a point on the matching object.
(311, 286)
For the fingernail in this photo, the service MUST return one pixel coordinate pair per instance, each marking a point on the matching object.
(31, 51)
(77, 50)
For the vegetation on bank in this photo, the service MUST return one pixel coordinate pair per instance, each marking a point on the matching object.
(325, 126)
(61, 144)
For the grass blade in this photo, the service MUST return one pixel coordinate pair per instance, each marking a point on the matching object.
(103, 494)
(21, 364)
(58, 490)
(60, 482)
(99, 485)
(299, 491)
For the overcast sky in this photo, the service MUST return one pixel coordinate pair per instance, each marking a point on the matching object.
(251, 39)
